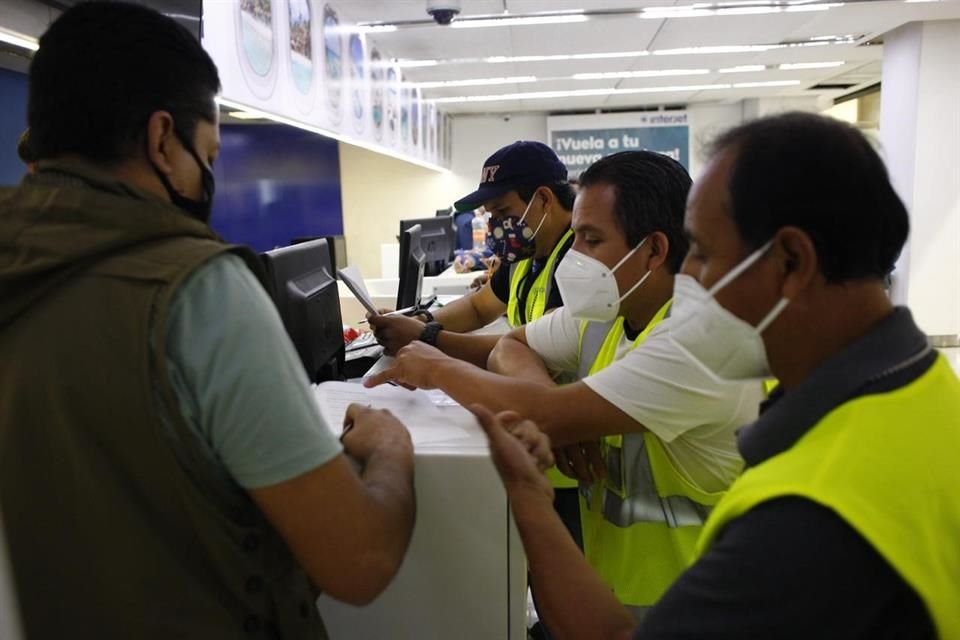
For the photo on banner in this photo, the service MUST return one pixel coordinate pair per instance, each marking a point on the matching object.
(302, 61)
(580, 141)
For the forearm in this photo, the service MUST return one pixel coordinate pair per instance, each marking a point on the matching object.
(571, 598)
(460, 316)
(468, 384)
(513, 358)
(387, 477)
(471, 348)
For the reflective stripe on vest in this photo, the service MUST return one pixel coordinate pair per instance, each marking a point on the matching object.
(886, 464)
(539, 292)
(640, 525)
(631, 492)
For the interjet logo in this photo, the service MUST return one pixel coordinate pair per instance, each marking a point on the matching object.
(488, 173)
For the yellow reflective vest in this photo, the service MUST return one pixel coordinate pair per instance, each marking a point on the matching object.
(886, 464)
(536, 302)
(534, 308)
(641, 523)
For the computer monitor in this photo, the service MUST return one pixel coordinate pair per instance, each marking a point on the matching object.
(412, 259)
(337, 246)
(437, 239)
(301, 282)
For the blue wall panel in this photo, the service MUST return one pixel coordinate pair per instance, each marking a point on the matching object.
(275, 183)
(13, 120)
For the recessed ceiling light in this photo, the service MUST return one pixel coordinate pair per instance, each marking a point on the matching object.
(744, 68)
(474, 82)
(517, 21)
(652, 73)
(793, 66)
(244, 115)
(19, 40)
(769, 83)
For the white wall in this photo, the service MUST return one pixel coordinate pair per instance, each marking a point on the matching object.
(476, 137)
(920, 130)
(378, 191)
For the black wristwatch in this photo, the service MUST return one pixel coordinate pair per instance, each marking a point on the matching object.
(427, 316)
(429, 333)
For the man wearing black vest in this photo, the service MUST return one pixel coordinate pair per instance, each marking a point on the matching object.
(164, 470)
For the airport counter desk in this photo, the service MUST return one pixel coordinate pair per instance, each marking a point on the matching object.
(464, 575)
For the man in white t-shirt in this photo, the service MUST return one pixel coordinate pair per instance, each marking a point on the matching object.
(668, 426)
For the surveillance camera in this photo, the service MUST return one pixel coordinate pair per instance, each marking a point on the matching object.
(506, 117)
(443, 11)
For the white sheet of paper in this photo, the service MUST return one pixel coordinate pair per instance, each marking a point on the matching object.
(417, 409)
(352, 277)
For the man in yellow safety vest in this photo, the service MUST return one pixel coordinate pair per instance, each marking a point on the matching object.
(845, 522)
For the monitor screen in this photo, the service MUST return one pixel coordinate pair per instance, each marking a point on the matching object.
(301, 282)
(411, 267)
(437, 239)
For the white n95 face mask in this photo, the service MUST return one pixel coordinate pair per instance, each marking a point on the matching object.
(589, 288)
(727, 347)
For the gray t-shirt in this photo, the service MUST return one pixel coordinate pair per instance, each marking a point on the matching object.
(239, 381)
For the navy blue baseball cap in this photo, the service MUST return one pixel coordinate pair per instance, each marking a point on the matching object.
(523, 163)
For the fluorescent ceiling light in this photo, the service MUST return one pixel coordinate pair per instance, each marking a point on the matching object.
(519, 21)
(330, 134)
(813, 7)
(579, 93)
(810, 65)
(475, 82)
(374, 28)
(744, 68)
(410, 64)
(243, 115)
(608, 55)
(555, 58)
(19, 40)
(701, 10)
(769, 83)
(653, 73)
(736, 48)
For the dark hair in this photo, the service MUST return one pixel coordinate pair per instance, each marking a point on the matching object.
(102, 68)
(563, 191)
(651, 193)
(824, 177)
(24, 150)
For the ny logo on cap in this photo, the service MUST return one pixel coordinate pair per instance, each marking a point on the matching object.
(488, 173)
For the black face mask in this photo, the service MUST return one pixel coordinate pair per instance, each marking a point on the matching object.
(199, 209)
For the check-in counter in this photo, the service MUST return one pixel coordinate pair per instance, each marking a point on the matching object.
(464, 575)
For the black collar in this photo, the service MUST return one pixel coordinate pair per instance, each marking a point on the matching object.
(892, 355)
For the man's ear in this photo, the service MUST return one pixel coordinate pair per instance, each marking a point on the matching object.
(659, 248)
(546, 196)
(160, 135)
(797, 254)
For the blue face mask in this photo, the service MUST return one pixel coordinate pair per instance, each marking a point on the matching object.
(511, 238)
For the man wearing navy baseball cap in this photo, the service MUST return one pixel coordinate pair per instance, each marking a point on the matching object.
(524, 187)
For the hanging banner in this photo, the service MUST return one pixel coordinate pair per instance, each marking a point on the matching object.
(582, 140)
(299, 59)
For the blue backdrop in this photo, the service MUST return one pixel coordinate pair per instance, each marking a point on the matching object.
(276, 183)
(13, 120)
